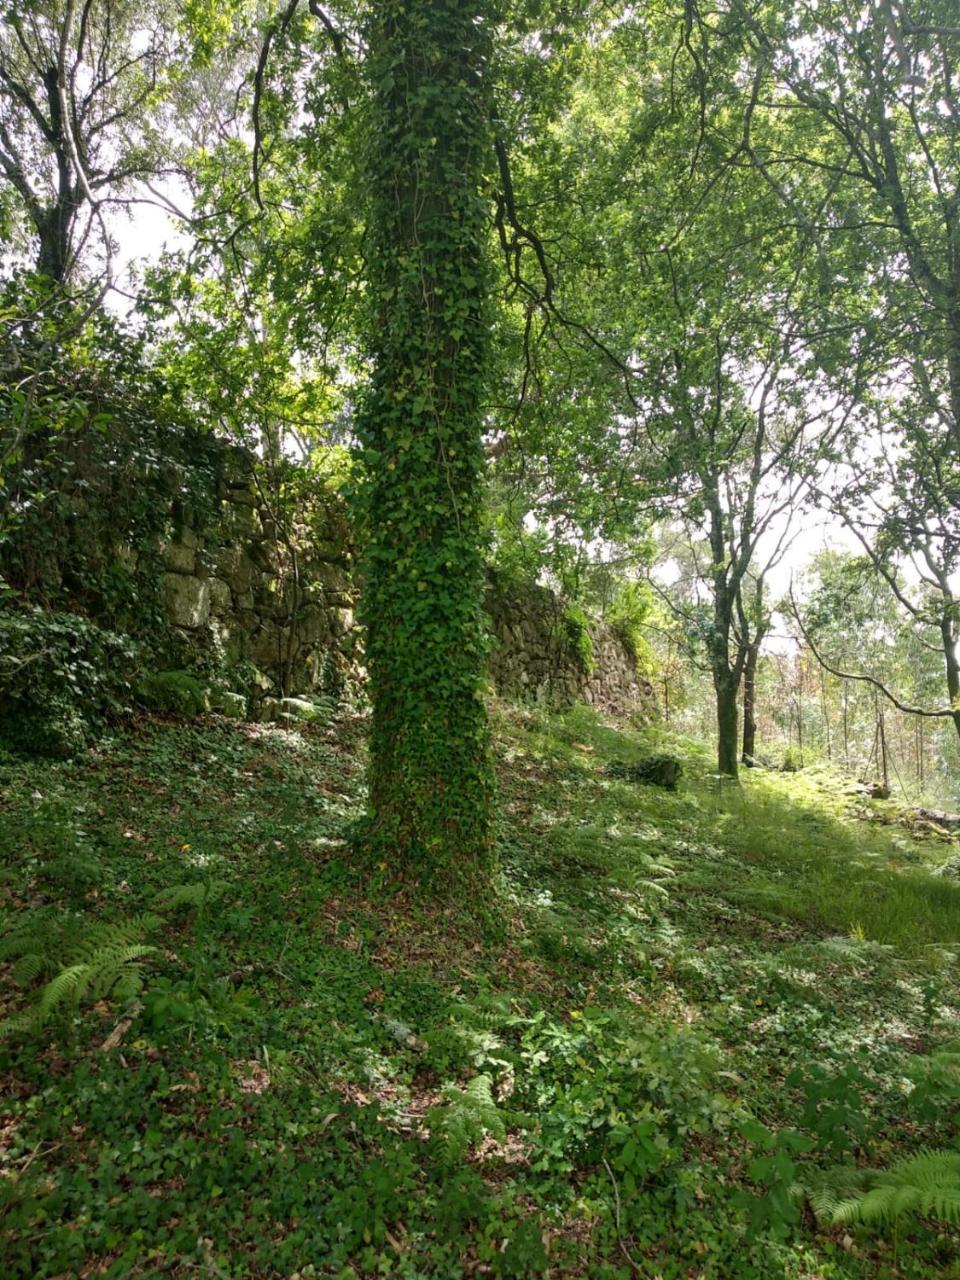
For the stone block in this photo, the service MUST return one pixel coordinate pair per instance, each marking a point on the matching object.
(186, 600)
(219, 596)
(341, 621)
(233, 705)
(179, 558)
(333, 579)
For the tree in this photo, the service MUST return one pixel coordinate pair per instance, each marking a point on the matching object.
(420, 423)
(80, 88)
(865, 152)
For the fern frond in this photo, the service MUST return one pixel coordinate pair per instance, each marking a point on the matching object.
(466, 1116)
(29, 967)
(106, 970)
(194, 894)
(927, 1184)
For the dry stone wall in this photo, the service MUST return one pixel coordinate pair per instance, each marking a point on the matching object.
(257, 591)
(539, 654)
(178, 543)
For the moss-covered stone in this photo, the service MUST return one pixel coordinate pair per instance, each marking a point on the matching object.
(174, 692)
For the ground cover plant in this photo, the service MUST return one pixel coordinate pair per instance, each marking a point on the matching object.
(710, 1032)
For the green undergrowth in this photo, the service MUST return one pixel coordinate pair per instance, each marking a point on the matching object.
(709, 1034)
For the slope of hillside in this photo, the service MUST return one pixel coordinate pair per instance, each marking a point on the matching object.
(228, 1057)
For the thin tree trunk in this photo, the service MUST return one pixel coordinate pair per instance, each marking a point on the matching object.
(846, 728)
(948, 630)
(824, 713)
(727, 718)
(920, 755)
(750, 702)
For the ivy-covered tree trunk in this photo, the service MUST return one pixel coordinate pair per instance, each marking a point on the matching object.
(420, 424)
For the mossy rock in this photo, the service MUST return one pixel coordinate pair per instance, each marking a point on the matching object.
(233, 705)
(655, 771)
(174, 692)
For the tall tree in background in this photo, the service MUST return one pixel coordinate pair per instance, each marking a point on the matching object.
(80, 90)
(420, 424)
(866, 154)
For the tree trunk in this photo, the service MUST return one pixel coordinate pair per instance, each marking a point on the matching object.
(726, 691)
(948, 632)
(421, 424)
(750, 702)
(846, 729)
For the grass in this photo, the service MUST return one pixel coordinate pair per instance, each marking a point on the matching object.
(688, 1003)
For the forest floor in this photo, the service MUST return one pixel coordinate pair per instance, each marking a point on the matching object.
(684, 1009)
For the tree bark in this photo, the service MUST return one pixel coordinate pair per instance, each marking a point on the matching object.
(726, 691)
(750, 702)
(948, 634)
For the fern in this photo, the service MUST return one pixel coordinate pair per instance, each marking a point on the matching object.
(196, 893)
(88, 962)
(926, 1184)
(465, 1117)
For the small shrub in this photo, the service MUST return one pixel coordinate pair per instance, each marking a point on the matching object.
(61, 678)
(579, 642)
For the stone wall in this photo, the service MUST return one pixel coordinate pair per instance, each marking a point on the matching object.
(257, 590)
(176, 541)
(539, 656)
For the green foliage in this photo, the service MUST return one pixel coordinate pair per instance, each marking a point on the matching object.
(833, 1105)
(175, 692)
(467, 1115)
(926, 1184)
(90, 962)
(296, 1030)
(100, 962)
(629, 611)
(936, 1083)
(579, 641)
(774, 1169)
(195, 895)
(420, 423)
(603, 1086)
(61, 677)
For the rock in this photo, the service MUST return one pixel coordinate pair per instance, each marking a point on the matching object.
(219, 596)
(175, 692)
(333, 579)
(301, 709)
(243, 574)
(948, 821)
(233, 705)
(178, 558)
(242, 496)
(657, 771)
(186, 600)
(269, 710)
